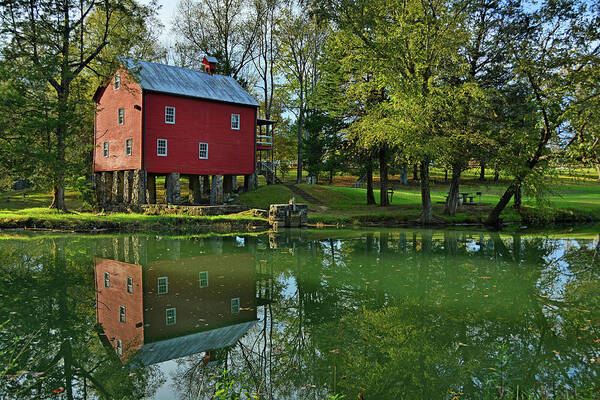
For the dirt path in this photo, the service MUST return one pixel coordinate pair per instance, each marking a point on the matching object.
(299, 192)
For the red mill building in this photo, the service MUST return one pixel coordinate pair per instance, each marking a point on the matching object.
(160, 304)
(158, 120)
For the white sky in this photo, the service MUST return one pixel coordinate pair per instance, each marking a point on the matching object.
(165, 14)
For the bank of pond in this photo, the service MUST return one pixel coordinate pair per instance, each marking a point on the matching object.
(305, 314)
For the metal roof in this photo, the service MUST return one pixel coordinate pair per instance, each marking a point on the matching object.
(170, 349)
(187, 82)
(211, 59)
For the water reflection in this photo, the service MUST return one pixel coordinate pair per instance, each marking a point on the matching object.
(391, 314)
(172, 308)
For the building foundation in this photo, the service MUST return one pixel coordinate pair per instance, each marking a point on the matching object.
(173, 188)
(216, 192)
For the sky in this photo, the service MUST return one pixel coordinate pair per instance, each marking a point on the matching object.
(165, 15)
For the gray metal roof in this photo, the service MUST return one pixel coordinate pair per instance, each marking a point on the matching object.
(170, 349)
(187, 82)
(211, 59)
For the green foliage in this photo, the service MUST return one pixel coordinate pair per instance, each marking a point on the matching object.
(86, 191)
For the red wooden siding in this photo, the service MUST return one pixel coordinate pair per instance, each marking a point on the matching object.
(108, 128)
(130, 332)
(198, 308)
(230, 152)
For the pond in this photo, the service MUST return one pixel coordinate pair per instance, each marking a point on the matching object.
(373, 314)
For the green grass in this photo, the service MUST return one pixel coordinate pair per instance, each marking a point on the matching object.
(575, 197)
(43, 218)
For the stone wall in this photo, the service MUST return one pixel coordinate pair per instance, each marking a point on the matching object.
(289, 215)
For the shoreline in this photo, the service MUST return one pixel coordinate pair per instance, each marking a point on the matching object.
(243, 223)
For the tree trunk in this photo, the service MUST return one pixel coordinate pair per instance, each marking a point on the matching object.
(518, 197)
(300, 134)
(58, 189)
(445, 175)
(331, 176)
(416, 172)
(370, 194)
(494, 217)
(58, 198)
(598, 168)
(452, 202)
(482, 172)
(496, 175)
(427, 213)
(383, 177)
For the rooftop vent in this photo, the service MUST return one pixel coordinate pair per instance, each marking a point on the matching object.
(210, 64)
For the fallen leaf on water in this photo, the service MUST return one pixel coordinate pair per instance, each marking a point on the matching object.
(462, 344)
(484, 277)
(335, 351)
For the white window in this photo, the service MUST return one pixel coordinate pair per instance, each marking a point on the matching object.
(117, 81)
(121, 116)
(171, 316)
(129, 284)
(204, 279)
(235, 121)
(203, 151)
(128, 147)
(105, 149)
(107, 279)
(235, 305)
(163, 285)
(161, 147)
(119, 347)
(169, 115)
(122, 312)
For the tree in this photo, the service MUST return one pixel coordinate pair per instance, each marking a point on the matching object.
(52, 47)
(225, 29)
(301, 39)
(555, 51)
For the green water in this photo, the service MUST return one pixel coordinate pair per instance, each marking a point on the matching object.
(301, 314)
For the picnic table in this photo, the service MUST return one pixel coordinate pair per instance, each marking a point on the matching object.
(466, 195)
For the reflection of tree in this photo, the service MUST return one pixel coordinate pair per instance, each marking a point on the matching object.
(396, 318)
(390, 314)
(47, 297)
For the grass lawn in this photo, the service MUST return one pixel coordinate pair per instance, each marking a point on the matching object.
(576, 197)
(26, 209)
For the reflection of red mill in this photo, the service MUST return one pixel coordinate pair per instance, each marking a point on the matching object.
(173, 308)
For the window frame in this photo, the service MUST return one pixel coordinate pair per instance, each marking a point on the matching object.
(237, 116)
(200, 151)
(129, 284)
(236, 310)
(158, 147)
(105, 149)
(166, 280)
(106, 279)
(128, 147)
(121, 116)
(200, 279)
(117, 81)
(167, 108)
(123, 314)
(174, 310)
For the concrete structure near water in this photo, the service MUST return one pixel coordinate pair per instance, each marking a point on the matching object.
(289, 215)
